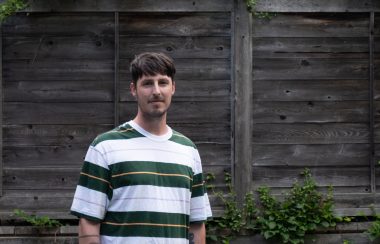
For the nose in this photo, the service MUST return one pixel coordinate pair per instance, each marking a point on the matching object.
(156, 89)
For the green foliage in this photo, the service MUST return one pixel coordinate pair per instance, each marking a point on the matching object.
(374, 231)
(251, 6)
(234, 218)
(9, 7)
(39, 221)
(303, 210)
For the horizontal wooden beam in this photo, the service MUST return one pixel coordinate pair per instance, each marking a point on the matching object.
(318, 6)
(129, 6)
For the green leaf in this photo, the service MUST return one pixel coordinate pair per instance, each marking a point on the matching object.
(325, 224)
(272, 225)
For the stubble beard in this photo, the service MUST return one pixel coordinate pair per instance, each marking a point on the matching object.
(154, 115)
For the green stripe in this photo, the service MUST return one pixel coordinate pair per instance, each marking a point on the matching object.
(119, 133)
(147, 166)
(146, 230)
(151, 179)
(96, 178)
(95, 184)
(85, 216)
(198, 179)
(181, 139)
(198, 189)
(197, 192)
(96, 170)
(147, 217)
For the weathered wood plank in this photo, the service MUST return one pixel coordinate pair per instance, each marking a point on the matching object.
(57, 113)
(52, 135)
(191, 90)
(58, 91)
(376, 46)
(44, 156)
(326, 238)
(58, 47)
(1, 112)
(212, 154)
(64, 178)
(37, 200)
(187, 112)
(184, 24)
(177, 47)
(315, 90)
(129, 6)
(279, 46)
(40, 240)
(303, 155)
(318, 55)
(318, 6)
(325, 133)
(356, 200)
(116, 78)
(44, 25)
(309, 68)
(215, 154)
(310, 112)
(242, 99)
(59, 70)
(190, 69)
(324, 176)
(376, 30)
(313, 25)
(200, 132)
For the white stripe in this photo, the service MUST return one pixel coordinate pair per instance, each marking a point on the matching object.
(151, 198)
(200, 208)
(96, 157)
(89, 202)
(142, 240)
(143, 149)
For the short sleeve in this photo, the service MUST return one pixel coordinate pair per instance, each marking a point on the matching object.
(200, 208)
(94, 189)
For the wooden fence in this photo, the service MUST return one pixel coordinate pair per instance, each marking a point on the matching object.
(261, 98)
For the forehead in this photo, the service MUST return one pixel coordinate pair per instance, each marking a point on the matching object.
(154, 77)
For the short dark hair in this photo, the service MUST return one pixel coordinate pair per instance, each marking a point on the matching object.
(151, 63)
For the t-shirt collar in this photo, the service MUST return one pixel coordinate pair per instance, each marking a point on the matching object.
(151, 136)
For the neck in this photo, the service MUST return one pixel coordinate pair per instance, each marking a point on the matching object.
(156, 126)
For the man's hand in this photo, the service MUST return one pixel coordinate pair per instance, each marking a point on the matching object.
(88, 232)
(197, 233)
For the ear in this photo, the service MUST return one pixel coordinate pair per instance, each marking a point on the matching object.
(132, 88)
(173, 88)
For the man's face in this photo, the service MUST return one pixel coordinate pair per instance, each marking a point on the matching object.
(153, 94)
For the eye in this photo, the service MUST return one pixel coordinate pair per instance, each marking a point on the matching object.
(147, 83)
(163, 82)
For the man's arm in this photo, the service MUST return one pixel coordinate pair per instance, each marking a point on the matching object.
(88, 232)
(197, 233)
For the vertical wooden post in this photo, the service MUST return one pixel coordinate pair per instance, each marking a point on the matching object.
(1, 111)
(116, 72)
(371, 102)
(242, 98)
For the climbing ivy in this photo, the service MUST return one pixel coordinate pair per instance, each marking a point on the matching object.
(303, 210)
(251, 6)
(9, 7)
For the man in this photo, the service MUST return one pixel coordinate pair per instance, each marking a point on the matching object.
(142, 182)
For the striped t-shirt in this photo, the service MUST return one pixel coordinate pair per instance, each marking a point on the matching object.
(142, 188)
